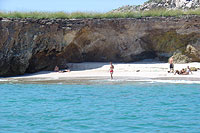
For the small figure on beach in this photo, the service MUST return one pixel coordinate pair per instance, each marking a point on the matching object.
(188, 71)
(171, 65)
(56, 69)
(183, 71)
(111, 70)
(66, 70)
(177, 72)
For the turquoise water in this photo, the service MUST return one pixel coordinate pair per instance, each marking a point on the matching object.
(141, 107)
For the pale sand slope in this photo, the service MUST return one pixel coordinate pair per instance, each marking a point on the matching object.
(98, 70)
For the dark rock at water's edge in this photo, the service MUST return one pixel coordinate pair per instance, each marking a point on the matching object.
(32, 45)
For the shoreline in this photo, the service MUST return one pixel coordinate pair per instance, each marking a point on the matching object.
(98, 72)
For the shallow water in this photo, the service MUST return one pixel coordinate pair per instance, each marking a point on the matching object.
(138, 107)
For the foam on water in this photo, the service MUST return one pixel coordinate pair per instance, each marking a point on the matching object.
(178, 81)
(152, 81)
(170, 81)
(3, 80)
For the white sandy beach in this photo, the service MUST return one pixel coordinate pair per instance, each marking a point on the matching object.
(82, 72)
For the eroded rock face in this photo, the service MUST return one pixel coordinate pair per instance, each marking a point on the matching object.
(31, 45)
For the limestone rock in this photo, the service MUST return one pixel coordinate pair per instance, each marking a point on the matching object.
(193, 52)
(170, 4)
(180, 58)
(163, 4)
(193, 69)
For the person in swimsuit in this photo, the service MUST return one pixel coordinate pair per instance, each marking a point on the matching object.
(111, 70)
(177, 72)
(188, 71)
(56, 69)
(171, 65)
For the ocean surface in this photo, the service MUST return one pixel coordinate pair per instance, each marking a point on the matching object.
(137, 107)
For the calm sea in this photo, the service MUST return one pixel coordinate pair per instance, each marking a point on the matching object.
(139, 107)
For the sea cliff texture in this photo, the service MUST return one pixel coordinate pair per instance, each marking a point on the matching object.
(31, 45)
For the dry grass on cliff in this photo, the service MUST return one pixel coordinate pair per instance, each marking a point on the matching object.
(77, 15)
(74, 15)
(162, 13)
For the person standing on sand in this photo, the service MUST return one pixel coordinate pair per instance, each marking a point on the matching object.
(111, 70)
(171, 65)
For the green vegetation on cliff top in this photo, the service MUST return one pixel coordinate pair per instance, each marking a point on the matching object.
(77, 15)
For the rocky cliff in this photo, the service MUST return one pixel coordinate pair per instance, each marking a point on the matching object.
(31, 45)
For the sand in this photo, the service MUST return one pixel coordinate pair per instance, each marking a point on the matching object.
(94, 72)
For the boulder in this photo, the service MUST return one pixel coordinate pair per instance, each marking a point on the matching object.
(179, 58)
(193, 52)
(193, 69)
